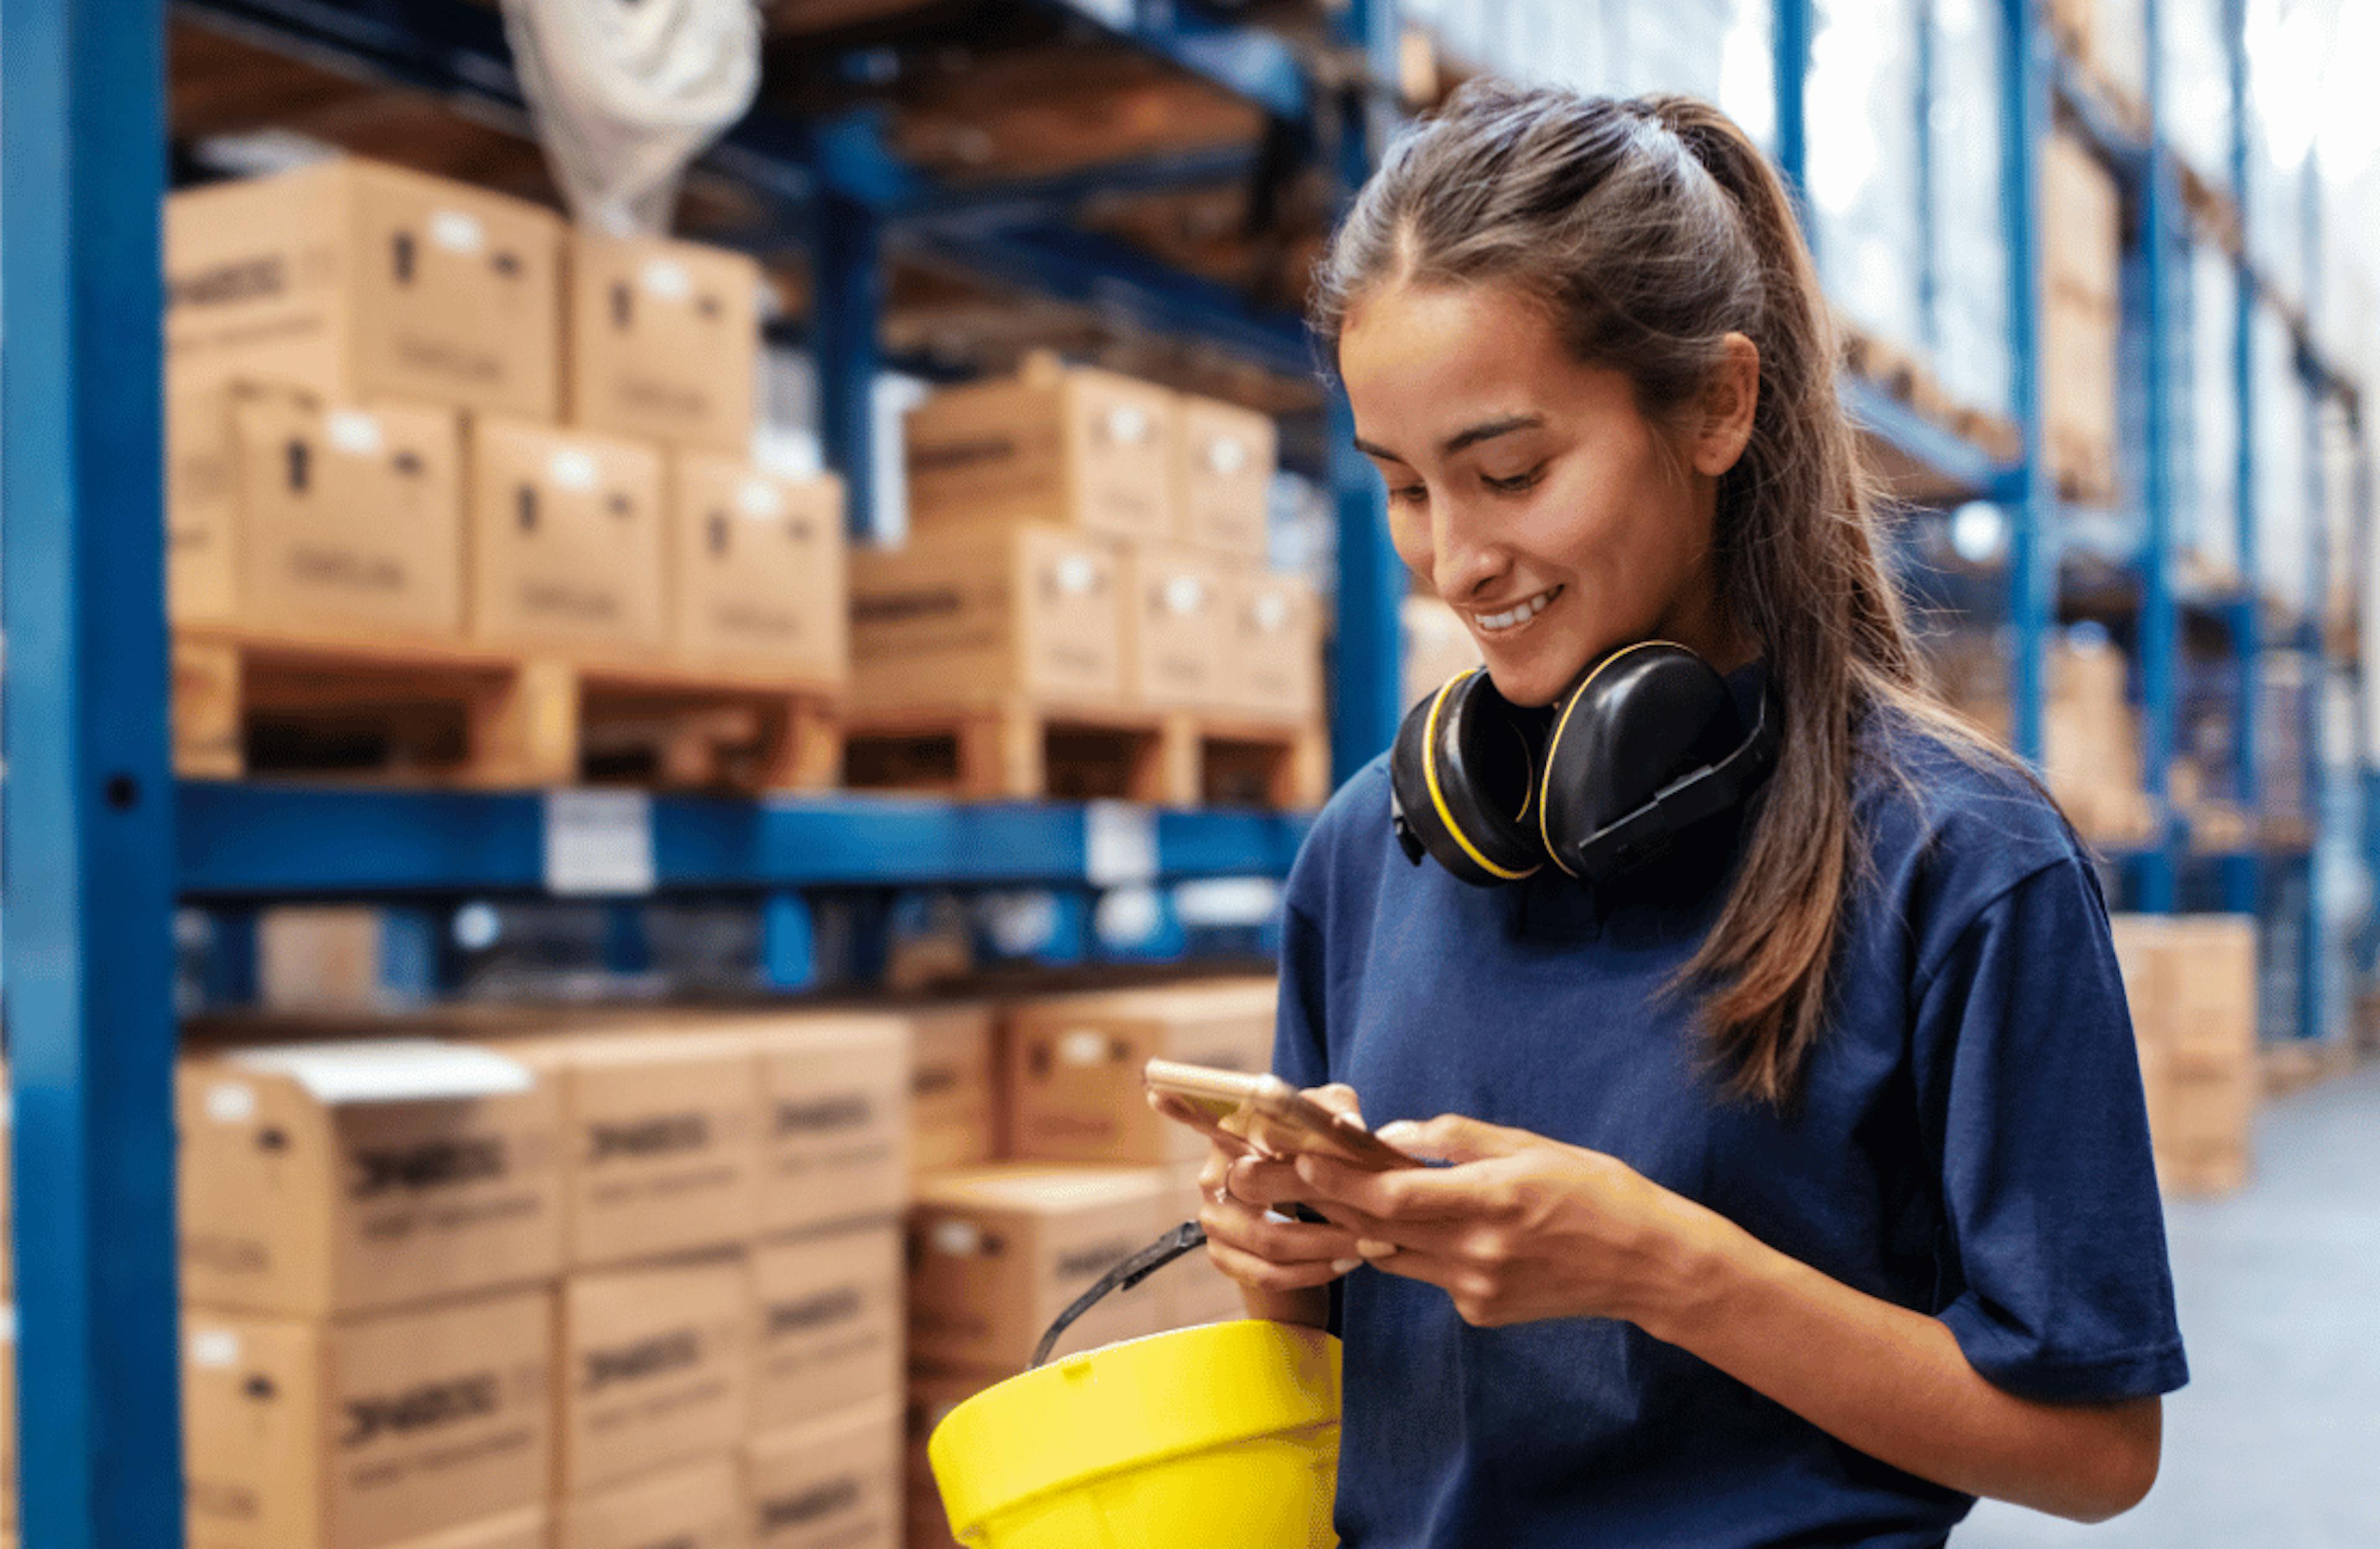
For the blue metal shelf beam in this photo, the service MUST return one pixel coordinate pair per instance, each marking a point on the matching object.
(2032, 561)
(334, 842)
(2159, 626)
(89, 947)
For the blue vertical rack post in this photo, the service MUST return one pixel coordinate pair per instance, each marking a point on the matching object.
(1794, 26)
(2159, 623)
(2242, 879)
(1367, 662)
(88, 818)
(2032, 556)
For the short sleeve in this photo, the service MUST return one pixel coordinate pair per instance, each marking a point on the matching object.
(2054, 1275)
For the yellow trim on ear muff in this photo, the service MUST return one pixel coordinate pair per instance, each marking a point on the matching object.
(1437, 797)
(1553, 743)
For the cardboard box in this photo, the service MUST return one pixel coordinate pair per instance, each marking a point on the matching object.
(567, 539)
(696, 1505)
(973, 615)
(830, 1311)
(1176, 602)
(324, 1178)
(758, 574)
(1437, 646)
(1054, 443)
(201, 509)
(366, 281)
(2192, 983)
(954, 1095)
(1223, 467)
(664, 340)
(1074, 1062)
(996, 1253)
(655, 1368)
(318, 958)
(365, 1431)
(349, 519)
(934, 1392)
(661, 1140)
(1273, 661)
(832, 1484)
(836, 1149)
(525, 1529)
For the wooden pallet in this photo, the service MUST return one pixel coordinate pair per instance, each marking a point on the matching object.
(1025, 750)
(259, 702)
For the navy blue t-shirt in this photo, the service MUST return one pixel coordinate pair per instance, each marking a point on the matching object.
(1970, 1142)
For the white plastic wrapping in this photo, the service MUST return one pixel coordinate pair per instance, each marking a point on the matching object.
(1970, 244)
(2208, 413)
(1861, 113)
(2197, 84)
(2284, 530)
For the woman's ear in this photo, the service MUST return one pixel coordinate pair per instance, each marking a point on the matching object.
(1728, 400)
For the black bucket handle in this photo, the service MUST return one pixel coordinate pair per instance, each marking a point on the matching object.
(1186, 1238)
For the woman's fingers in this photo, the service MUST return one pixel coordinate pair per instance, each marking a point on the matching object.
(1271, 1237)
(1265, 1275)
(1340, 1098)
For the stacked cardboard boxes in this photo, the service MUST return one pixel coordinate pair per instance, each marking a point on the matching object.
(2191, 982)
(999, 1250)
(2082, 247)
(409, 410)
(1088, 539)
(605, 1286)
(2091, 744)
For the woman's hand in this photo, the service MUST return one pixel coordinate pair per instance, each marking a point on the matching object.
(1272, 1259)
(1520, 1228)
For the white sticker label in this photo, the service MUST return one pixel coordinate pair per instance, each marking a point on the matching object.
(1184, 594)
(214, 1348)
(667, 279)
(1077, 574)
(1119, 844)
(231, 1103)
(1128, 917)
(1128, 424)
(599, 843)
(1082, 1046)
(457, 231)
(353, 431)
(957, 1238)
(1271, 611)
(572, 470)
(1226, 455)
(759, 500)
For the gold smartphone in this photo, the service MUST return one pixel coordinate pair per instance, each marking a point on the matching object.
(1272, 1115)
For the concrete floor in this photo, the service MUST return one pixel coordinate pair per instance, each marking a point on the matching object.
(2275, 1438)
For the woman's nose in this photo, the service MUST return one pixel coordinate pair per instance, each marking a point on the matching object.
(1465, 561)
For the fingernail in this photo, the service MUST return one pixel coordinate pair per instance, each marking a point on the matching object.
(1341, 1266)
(1372, 1247)
(1400, 1130)
(1352, 1116)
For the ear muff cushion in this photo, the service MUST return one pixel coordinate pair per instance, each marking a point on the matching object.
(1643, 718)
(1465, 774)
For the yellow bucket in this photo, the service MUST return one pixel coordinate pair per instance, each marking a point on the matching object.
(1226, 1434)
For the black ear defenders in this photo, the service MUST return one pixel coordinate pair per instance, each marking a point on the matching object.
(1648, 744)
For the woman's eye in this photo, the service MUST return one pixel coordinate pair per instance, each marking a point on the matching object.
(1407, 494)
(1516, 484)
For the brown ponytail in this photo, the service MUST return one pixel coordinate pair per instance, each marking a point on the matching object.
(1654, 229)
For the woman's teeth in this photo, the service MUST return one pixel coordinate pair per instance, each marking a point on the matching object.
(1515, 617)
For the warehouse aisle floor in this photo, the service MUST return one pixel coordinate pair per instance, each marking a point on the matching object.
(2272, 1442)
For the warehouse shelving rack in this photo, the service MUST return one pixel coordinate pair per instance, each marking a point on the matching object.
(2273, 865)
(101, 842)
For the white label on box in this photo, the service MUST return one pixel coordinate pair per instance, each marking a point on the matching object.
(457, 231)
(598, 842)
(955, 1238)
(1128, 424)
(390, 1071)
(1226, 455)
(214, 1348)
(1082, 1046)
(572, 470)
(667, 278)
(353, 431)
(1077, 574)
(1119, 844)
(1184, 594)
(759, 499)
(231, 1103)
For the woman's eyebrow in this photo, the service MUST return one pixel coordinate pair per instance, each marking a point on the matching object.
(1463, 440)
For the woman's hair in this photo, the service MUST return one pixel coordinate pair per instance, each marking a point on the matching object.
(1651, 229)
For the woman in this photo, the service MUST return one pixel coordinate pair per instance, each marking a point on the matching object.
(1797, 1187)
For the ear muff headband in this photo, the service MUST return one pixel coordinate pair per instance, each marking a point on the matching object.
(1437, 795)
(1553, 744)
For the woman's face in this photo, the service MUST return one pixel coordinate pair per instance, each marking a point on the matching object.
(1530, 491)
